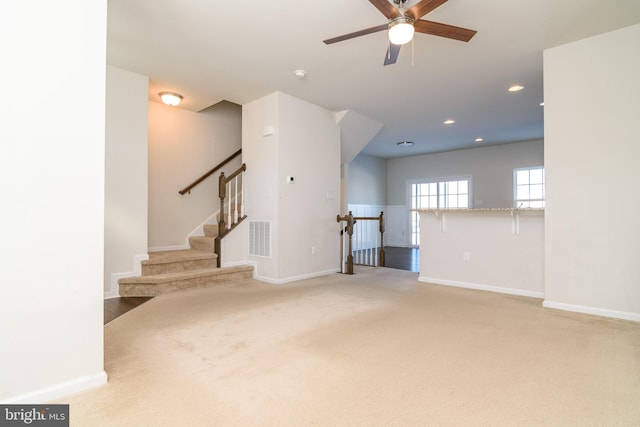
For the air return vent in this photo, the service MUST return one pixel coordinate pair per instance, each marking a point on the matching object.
(260, 238)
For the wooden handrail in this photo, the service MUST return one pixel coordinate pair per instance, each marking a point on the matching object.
(188, 188)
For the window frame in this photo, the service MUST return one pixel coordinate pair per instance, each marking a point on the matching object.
(438, 181)
(517, 203)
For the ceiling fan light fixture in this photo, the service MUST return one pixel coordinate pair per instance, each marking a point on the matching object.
(170, 98)
(401, 30)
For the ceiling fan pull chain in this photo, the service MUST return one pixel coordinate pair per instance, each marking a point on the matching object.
(412, 51)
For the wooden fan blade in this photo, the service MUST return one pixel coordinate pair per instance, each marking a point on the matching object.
(357, 34)
(393, 50)
(386, 8)
(425, 6)
(443, 30)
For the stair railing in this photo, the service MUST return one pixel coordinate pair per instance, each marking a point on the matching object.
(362, 245)
(231, 214)
(216, 168)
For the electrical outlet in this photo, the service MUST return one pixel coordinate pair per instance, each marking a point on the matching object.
(313, 250)
(466, 256)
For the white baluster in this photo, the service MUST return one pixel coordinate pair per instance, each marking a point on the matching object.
(242, 195)
(236, 213)
(366, 242)
(229, 210)
(376, 249)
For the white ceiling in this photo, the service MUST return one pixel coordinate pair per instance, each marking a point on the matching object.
(240, 51)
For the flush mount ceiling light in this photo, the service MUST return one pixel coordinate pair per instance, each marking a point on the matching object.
(170, 98)
(515, 88)
(478, 140)
(301, 74)
(449, 122)
(401, 30)
(405, 144)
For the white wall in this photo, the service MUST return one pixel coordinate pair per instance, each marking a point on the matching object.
(491, 169)
(125, 228)
(592, 106)
(260, 153)
(306, 145)
(52, 190)
(484, 250)
(184, 145)
(367, 192)
(367, 181)
(356, 131)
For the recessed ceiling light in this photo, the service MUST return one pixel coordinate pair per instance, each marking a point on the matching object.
(301, 74)
(449, 122)
(478, 140)
(516, 88)
(405, 144)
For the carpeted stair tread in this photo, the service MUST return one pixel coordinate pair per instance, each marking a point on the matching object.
(202, 243)
(184, 275)
(163, 257)
(156, 284)
(178, 261)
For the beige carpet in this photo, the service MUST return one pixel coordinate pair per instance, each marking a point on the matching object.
(374, 349)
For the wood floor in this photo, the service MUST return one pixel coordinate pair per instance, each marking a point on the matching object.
(399, 258)
(402, 258)
(115, 307)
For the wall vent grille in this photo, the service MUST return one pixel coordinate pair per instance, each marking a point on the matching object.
(260, 238)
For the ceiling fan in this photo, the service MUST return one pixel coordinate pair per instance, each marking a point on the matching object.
(403, 23)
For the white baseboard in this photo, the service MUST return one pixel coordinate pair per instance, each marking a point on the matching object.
(238, 263)
(480, 287)
(61, 390)
(623, 315)
(114, 288)
(273, 281)
(295, 278)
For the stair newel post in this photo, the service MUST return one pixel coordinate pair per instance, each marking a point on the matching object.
(381, 239)
(222, 227)
(350, 223)
(222, 193)
(349, 229)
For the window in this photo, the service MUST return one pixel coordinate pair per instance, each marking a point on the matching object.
(436, 194)
(529, 187)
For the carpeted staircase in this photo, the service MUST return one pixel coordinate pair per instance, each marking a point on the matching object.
(170, 271)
